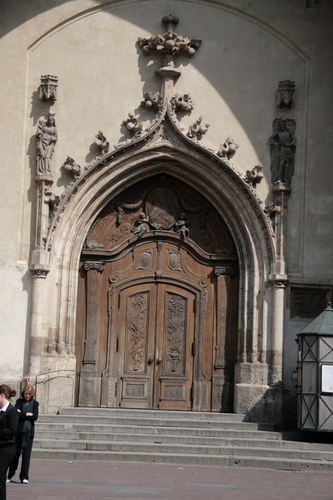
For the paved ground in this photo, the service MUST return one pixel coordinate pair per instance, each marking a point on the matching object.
(59, 479)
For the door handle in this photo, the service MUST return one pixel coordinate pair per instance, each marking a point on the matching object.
(150, 360)
(159, 361)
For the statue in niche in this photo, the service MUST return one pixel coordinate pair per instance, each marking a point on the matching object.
(283, 146)
(143, 226)
(181, 226)
(47, 136)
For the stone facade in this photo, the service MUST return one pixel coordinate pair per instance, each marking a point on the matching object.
(201, 82)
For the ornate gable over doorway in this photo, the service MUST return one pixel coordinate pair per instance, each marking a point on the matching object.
(166, 241)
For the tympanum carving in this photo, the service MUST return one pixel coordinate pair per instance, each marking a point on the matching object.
(181, 226)
(47, 136)
(143, 224)
(283, 146)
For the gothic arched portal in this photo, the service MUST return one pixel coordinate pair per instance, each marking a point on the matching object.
(158, 302)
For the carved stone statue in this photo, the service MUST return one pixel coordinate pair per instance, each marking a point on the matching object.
(47, 136)
(181, 226)
(228, 148)
(283, 146)
(143, 226)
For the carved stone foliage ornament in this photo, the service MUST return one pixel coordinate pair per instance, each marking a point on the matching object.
(101, 142)
(47, 136)
(182, 102)
(152, 101)
(133, 124)
(228, 148)
(198, 129)
(71, 166)
(48, 88)
(285, 97)
(255, 175)
(283, 147)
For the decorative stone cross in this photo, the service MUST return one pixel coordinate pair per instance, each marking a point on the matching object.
(169, 45)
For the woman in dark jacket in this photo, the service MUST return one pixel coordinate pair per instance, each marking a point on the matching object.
(8, 430)
(27, 409)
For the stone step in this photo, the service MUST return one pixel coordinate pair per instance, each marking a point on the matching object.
(186, 459)
(111, 430)
(175, 438)
(153, 422)
(179, 415)
(184, 439)
(181, 448)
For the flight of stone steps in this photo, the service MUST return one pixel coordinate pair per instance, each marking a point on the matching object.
(189, 438)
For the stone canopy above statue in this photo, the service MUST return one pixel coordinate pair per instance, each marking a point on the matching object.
(160, 204)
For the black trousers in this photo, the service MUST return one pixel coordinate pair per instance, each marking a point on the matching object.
(7, 454)
(26, 454)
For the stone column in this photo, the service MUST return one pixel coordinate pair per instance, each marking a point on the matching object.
(220, 379)
(90, 381)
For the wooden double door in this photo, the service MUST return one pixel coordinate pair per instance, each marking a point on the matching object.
(157, 303)
(156, 327)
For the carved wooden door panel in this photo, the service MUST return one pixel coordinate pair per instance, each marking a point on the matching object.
(136, 338)
(174, 348)
(156, 330)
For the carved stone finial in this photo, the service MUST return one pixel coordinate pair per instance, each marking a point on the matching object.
(228, 148)
(286, 89)
(182, 102)
(71, 166)
(198, 129)
(169, 45)
(48, 88)
(255, 175)
(283, 147)
(102, 142)
(133, 125)
(47, 136)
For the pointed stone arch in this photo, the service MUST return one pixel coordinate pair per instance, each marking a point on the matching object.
(164, 149)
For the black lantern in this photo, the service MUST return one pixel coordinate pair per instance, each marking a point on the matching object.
(315, 374)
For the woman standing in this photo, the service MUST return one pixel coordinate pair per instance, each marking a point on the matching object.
(8, 431)
(27, 409)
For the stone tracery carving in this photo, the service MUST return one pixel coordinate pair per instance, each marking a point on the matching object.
(47, 136)
(283, 146)
(228, 148)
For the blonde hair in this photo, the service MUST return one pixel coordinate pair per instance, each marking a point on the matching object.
(28, 388)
